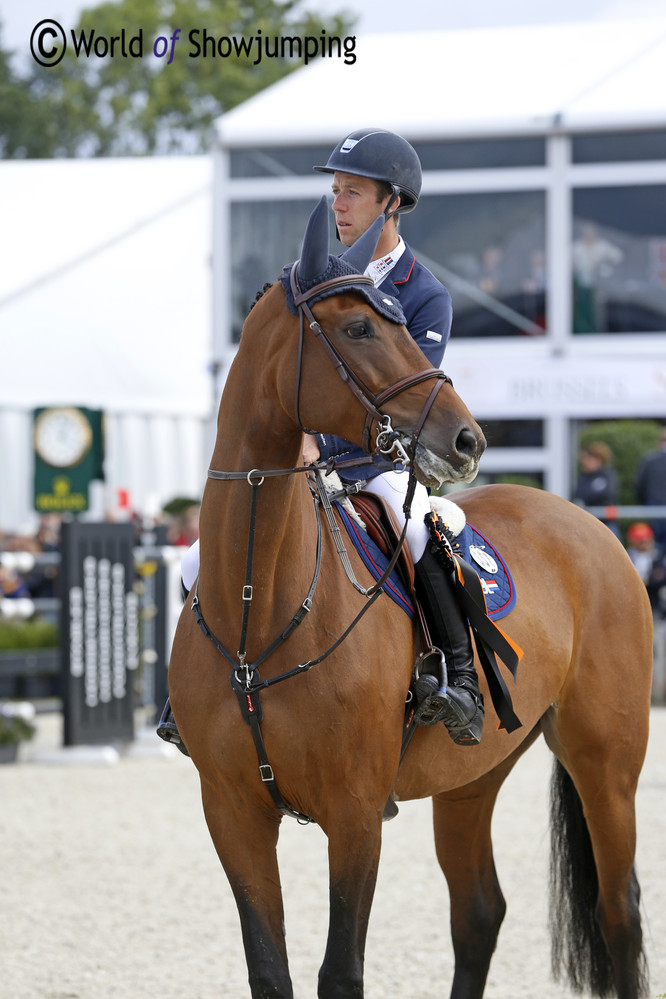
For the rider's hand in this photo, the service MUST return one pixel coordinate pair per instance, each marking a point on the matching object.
(311, 451)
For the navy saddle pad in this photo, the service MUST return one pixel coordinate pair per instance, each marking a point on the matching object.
(496, 580)
(375, 560)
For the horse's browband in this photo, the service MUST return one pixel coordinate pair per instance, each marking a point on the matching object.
(344, 281)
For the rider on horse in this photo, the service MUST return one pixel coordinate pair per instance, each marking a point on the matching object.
(375, 171)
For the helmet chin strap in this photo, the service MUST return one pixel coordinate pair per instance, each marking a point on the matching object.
(393, 200)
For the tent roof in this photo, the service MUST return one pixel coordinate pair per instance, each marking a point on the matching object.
(490, 81)
(104, 283)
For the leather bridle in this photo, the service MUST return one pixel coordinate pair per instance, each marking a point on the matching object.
(387, 439)
(244, 678)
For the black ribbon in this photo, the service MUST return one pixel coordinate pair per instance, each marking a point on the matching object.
(489, 640)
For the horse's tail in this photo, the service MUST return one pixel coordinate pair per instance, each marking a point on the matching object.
(579, 951)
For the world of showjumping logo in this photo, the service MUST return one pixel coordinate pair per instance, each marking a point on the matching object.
(49, 42)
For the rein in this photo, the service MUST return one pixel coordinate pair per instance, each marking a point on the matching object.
(387, 441)
(252, 680)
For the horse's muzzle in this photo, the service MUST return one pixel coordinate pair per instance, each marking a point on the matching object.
(461, 464)
(470, 444)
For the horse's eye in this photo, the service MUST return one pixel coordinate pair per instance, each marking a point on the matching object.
(357, 331)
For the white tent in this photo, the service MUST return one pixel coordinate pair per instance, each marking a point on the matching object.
(105, 302)
(446, 83)
(104, 283)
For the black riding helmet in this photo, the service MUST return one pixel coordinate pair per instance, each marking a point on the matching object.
(380, 155)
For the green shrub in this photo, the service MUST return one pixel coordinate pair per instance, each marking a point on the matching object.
(179, 504)
(35, 634)
(16, 722)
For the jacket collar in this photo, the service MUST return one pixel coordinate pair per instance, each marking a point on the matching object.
(402, 271)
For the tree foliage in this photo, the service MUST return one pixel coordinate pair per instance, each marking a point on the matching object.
(22, 118)
(131, 105)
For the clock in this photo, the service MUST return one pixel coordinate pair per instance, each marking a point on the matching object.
(63, 436)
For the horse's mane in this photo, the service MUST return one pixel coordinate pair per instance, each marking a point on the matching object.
(268, 284)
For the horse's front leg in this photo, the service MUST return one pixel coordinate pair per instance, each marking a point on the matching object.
(354, 845)
(245, 836)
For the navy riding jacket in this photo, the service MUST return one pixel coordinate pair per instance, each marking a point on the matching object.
(427, 307)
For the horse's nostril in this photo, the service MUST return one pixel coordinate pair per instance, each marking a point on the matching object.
(467, 442)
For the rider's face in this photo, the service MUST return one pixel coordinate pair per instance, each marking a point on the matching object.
(356, 205)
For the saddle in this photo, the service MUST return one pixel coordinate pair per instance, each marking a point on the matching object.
(473, 596)
(383, 528)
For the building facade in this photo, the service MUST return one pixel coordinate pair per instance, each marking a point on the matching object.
(548, 226)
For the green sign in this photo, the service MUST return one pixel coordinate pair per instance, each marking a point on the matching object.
(68, 444)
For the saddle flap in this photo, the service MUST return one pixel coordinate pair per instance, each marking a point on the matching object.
(383, 527)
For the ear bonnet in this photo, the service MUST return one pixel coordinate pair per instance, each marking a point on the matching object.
(316, 265)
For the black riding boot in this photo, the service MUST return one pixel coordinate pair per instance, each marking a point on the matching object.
(168, 730)
(453, 698)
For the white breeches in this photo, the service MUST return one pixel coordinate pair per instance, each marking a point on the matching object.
(189, 566)
(393, 487)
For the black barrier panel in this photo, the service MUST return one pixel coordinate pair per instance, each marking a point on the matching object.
(100, 634)
(161, 686)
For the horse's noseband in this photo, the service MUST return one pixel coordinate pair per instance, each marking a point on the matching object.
(387, 438)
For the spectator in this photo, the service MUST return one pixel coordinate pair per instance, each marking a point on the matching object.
(48, 532)
(650, 562)
(184, 514)
(12, 585)
(33, 580)
(594, 259)
(598, 484)
(534, 289)
(490, 276)
(651, 485)
(648, 558)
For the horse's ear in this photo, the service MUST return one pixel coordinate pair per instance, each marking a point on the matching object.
(362, 251)
(314, 255)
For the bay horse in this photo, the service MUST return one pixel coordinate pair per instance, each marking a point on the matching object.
(326, 742)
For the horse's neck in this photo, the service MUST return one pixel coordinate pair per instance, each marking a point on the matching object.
(253, 434)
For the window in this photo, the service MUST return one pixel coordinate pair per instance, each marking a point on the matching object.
(513, 433)
(468, 154)
(481, 154)
(266, 236)
(488, 249)
(619, 260)
(619, 147)
(278, 161)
